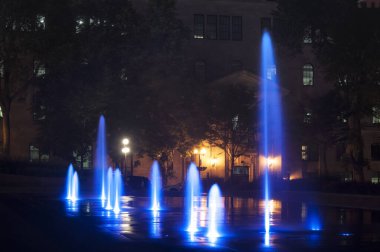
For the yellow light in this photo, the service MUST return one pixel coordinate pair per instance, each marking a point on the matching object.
(125, 141)
(125, 150)
(203, 151)
(213, 161)
(270, 161)
(195, 151)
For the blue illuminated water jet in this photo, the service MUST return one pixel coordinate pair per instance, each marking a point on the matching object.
(156, 187)
(117, 191)
(109, 184)
(271, 121)
(215, 213)
(192, 198)
(69, 181)
(75, 188)
(101, 160)
(72, 184)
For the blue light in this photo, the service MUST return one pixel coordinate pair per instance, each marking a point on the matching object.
(156, 187)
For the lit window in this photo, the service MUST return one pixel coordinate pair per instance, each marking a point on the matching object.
(235, 122)
(308, 75)
(39, 69)
(199, 26)
(342, 118)
(307, 117)
(41, 22)
(375, 151)
(80, 24)
(237, 28)
(1, 112)
(375, 180)
(304, 152)
(375, 115)
(211, 28)
(1, 69)
(34, 153)
(266, 24)
(224, 27)
(307, 35)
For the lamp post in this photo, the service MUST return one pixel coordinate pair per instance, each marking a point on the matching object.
(125, 150)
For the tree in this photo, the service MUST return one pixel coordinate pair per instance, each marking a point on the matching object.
(346, 41)
(21, 42)
(231, 121)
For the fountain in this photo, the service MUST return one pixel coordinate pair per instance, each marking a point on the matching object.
(271, 122)
(69, 181)
(117, 190)
(156, 186)
(193, 193)
(72, 184)
(109, 188)
(101, 160)
(215, 212)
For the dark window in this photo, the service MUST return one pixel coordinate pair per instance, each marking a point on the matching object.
(307, 118)
(240, 170)
(200, 70)
(199, 26)
(237, 28)
(224, 27)
(211, 28)
(375, 151)
(236, 66)
(307, 39)
(266, 24)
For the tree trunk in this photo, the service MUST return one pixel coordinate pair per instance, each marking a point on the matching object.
(226, 164)
(6, 132)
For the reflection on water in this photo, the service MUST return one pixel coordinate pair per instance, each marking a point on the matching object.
(243, 218)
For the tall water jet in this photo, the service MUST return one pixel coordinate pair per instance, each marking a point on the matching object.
(101, 160)
(156, 186)
(215, 212)
(117, 191)
(75, 188)
(69, 181)
(193, 193)
(110, 186)
(271, 121)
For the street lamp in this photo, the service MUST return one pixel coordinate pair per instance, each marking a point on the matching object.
(125, 150)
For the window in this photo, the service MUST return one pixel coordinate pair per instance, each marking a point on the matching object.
(266, 24)
(240, 170)
(376, 115)
(200, 70)
(309, 152)
(307, 118)
(199, 26)
(375, 180)
(375, 151)
(34, 153)
(1, 112)
(237, 29)
(41, 22)
(307, 35)
(224, 27)
(1, 69)
(211, 28)
(308, 75)
(39, 69)
(80, 24)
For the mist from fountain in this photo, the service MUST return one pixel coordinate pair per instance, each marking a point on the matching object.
(192, 198)
(101, 160)
(215, 212)
(156, 187)
(271, 120)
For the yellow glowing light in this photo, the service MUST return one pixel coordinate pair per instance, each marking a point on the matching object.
(213, 161)
(125, 150)
(270, 161)
(195, 151)
(203, 151)
(125, 141)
